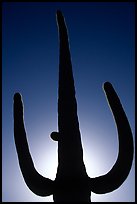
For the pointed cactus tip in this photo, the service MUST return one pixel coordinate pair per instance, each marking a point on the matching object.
(59, 15)
(58, 12)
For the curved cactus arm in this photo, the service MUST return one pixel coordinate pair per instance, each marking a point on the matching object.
(118, 174)
(36, 183)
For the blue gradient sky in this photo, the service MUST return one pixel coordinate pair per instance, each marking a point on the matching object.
(102, 43)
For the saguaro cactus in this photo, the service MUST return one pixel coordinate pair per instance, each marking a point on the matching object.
(72, 182)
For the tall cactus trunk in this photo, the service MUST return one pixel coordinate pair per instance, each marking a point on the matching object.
(70, 151)
(71, 167)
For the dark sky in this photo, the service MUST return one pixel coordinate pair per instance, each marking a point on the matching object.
(102, 40)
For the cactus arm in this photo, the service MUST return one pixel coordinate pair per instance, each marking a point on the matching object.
(119, 172)
(36, 183)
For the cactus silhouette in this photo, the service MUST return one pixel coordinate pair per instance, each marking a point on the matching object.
(72, 182)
